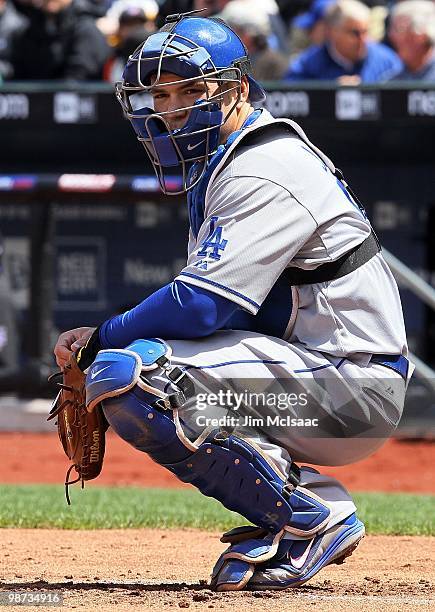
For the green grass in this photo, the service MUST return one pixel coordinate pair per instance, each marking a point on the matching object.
(44, 506)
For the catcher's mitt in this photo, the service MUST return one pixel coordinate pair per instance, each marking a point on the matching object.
(81, 433)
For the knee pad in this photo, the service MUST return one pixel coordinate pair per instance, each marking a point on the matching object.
(223, 466)
(140, 413)
(116, 371)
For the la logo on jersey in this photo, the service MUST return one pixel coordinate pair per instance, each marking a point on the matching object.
(212, 247)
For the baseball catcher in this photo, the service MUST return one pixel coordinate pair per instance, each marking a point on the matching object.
(282, 339)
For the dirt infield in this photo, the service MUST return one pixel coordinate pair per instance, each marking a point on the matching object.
(397, 466)
(168, 570)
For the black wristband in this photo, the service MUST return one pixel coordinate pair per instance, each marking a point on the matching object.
(87, 354)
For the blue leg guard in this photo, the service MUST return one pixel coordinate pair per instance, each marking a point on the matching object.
(228, 469)
(234, 472)
(145, 427)
(223, 466)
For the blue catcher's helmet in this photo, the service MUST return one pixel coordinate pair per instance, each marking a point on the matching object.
(193, 48)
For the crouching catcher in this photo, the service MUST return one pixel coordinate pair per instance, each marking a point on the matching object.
(291, 528)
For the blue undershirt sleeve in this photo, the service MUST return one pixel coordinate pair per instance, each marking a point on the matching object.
(176, 311)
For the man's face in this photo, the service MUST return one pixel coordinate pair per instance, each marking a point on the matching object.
(350, 39)
(54, 6)
(211, 6)
(173, 94)
(407, 43)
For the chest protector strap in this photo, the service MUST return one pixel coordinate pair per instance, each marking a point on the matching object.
(348, 262)
(351, 260)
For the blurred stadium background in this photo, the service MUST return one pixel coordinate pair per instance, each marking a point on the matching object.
(85, 232)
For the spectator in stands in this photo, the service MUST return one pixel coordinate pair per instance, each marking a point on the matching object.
(311, 23)
(412, 32)
(169, 7)
(132, 31)
(254, 29)
(11, 23)
(212, 7)
(278, 37)
(308, 28)
(347, 55)
(109, 24)
(289, 9)
(269, 8)
(61, 41)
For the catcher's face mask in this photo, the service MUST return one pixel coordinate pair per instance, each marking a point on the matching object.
(203, 53)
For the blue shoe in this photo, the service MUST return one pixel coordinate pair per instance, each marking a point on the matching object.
(296, 561)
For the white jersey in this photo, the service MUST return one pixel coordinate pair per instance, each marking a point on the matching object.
(276, 204)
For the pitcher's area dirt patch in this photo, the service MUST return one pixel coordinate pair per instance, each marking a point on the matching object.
(38, 458)
(169, 570)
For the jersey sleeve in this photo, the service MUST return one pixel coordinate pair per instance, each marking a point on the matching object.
(252, 229)
(176, 311)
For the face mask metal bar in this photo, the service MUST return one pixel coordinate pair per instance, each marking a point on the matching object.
(150, 149)
(123, 92)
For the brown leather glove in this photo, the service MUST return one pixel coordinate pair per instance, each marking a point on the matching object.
(81, 433)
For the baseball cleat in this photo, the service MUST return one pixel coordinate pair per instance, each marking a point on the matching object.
(299, 560)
